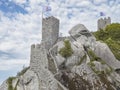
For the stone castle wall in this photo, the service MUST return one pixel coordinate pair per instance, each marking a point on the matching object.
(50, 34)
(38, 57)
(50, 31)
(103, 22)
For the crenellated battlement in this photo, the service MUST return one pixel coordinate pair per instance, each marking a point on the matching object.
(50, 20)
(38, 57)
(103, 22)
(37, 46)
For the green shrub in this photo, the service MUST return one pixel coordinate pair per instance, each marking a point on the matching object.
(101, 35)
(66, 51)
(113, 31)
(9, 82)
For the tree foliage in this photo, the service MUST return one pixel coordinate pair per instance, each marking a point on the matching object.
(66, 51)
(111, 36)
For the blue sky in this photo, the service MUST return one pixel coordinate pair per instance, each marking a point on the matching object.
(20, 25)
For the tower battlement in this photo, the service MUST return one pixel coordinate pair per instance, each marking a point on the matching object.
(103, 22)
(37, 46)
(50, 20)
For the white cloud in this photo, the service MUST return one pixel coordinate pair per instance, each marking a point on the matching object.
(99, 1)
(12, 64)
(18, 33)
(19, 1)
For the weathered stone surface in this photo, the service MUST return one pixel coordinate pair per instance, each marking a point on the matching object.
(92, 78)
(102, 23)
(83, 40)
(50, 31)
(79, 30)
(4, 86)
(50, 71)
(28, 81)
(38, 57)
(59, 59)
(78, 53)
(103, 51)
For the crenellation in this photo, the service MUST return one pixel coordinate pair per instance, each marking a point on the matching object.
(38, 46)
(103, 22)
(50, 20)
(33, 46)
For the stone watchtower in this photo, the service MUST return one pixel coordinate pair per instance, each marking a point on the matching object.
(50, 31)
(50, 34)
(103, 22)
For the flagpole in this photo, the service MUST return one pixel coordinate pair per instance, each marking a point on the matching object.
(42, 16)
(42, 20)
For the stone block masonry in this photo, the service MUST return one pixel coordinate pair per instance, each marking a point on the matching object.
(50, 31)
(38, 57)
(103, 22)
(50, 34)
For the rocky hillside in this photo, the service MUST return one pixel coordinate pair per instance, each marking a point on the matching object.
(77, 62)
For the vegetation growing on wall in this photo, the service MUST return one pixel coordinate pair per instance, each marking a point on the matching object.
(66, 51)
(9, 82)
(111, 36)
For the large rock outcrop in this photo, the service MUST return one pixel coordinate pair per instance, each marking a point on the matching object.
(92, 66)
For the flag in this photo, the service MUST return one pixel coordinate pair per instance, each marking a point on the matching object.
(102, 14)
(46, 11)
(46, 8)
